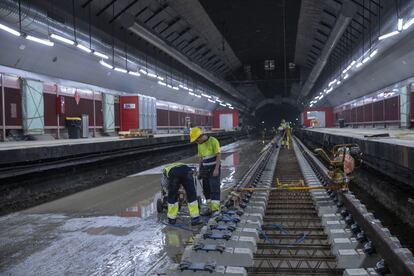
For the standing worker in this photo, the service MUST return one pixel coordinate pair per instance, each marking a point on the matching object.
(173, 176)
(209, 168)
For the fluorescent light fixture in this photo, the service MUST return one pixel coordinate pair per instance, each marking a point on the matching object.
(231, 107)
(175, 88)
(332, 82)
(388, 35)
(162, 83)
(143, 71)
(373, 53)
(353, 62)
(103, 63)
(198, 96)
(218, 100)
(83, 48)
(345, 70)
(346, 76)
(408, 24)
(338, 82)
(62, 39)
(152, 75)
(400, 24)
(365, 60)
(359, 64)
(40, 40)
(311, 105)
(160, 78)
(211, 101)
(191, 93)
(191, 90)
(169, 85)
(9, 30)
(121, 70)
(222, 104)
(134, 73)
(98, 54)
(205, 95)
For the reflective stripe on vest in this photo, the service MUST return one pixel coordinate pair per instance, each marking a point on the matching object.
(168, 168)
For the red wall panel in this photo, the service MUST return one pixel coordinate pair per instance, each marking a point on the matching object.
(13, 107)
(360, 114)
(216, 117)
(162, 117)
(50, 109)
(174, 118)
(128, 113)
(328, 115)
(378, 111)
(99, 114)
(117, 114)
(368, 112)
(392, 109)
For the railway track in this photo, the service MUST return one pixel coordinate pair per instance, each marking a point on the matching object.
(293, 241)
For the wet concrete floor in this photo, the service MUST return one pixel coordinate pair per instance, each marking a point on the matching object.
(113, 229)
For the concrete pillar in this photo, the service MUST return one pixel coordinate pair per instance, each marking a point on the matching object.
(404, 107)
(108, 113)
(32, 107)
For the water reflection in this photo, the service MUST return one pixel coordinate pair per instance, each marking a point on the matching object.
(142, 209)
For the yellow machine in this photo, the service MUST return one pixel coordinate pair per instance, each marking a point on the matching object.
(345, 158)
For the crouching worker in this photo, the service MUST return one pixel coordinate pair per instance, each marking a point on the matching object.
(175, 175)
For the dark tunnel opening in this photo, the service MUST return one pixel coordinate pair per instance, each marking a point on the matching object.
(271, 115)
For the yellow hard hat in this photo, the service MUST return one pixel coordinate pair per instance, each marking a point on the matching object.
(195, 132)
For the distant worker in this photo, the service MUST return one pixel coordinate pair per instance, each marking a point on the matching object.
(286, 134)
(173, 176)
(209, 168)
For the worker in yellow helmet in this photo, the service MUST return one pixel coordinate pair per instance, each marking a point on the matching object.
(209, 168)
(173, 176)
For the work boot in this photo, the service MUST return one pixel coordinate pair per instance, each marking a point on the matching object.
(206, 212)
(196, 221)
(172, 221)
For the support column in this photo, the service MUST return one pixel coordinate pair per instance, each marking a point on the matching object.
(32, 107)
(404, 107)
(108, 113)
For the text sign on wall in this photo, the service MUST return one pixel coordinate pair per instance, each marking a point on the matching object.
(129, 106)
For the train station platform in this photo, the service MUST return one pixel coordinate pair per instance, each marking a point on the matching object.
(36, 151)
(390, 151)
(112, 229)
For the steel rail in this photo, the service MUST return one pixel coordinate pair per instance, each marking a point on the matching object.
(395, 257)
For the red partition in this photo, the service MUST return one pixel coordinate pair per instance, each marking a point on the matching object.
(328, 115)
(360, 114)
(128, 106)
(13, 107)
(368, 112)
(392, 109)
(162, 117)
(216, 116)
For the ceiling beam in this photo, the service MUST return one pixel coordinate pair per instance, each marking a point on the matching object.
(145, 34)
(345, 17)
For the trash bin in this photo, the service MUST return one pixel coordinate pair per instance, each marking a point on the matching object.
(74, 127)
(341, 123)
